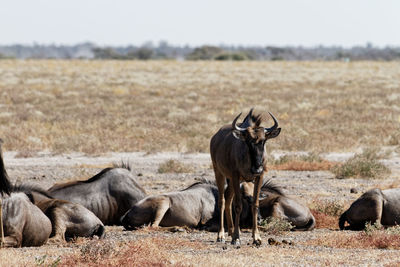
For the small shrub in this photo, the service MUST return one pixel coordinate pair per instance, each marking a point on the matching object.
(308, 162)
(174, 166)
(231, 56)
(365, 165)
(370, 229)
(329, 207)
(275, 226)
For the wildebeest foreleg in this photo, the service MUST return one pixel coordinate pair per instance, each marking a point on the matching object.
(12, 242)
(256, 197)
(57, 218)
(238, 210)
(1, 223)
(162, 207)
(228, 208)
(221, 204)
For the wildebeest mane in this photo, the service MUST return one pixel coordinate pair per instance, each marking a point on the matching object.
(29, 188)
(200, 181)
(90, 180)
(125, 165)
(252, 120)
(269, 186)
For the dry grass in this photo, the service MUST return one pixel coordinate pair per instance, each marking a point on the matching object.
(309, 162)
(326, 213)
(174, 166)
(100, 106)
(275, 226)
(371, 237)
(144, 252)
(364, 165)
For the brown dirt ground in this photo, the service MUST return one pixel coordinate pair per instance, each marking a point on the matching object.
(309, 187)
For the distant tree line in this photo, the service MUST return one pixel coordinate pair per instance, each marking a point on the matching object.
(166, 51)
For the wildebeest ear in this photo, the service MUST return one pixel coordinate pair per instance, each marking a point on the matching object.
(238, 135)
(274, 133)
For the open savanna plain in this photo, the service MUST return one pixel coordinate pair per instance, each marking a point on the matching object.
(64, 120)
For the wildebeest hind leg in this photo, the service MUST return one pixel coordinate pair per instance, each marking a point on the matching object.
(162, 207)
(220, 179)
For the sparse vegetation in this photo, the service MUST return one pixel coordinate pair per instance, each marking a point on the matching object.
(101, 106)
(326, 213)
(174, 166)
(374, 236)
(308, 162)
(364, 165)
(275, 226)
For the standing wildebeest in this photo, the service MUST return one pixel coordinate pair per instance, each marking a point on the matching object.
(274, 203)
(23, 224)
(68, 219)
(194, 206)
(382, 206)
(237, 154)
(109, 194)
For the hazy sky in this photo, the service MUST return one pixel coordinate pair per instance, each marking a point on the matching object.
(250, 22)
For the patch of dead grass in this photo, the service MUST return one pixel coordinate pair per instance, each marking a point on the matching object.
(308, 162)
(326, 213)
(174, 166)
(100, 106)
(152, 251)
(360, 240)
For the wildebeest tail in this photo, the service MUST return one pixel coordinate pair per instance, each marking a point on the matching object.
(5, 185)
(342, 220)
(100, 231)
(311, 224)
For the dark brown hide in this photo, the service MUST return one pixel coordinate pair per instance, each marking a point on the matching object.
(382, 206)
(273, 202)
(237, 154)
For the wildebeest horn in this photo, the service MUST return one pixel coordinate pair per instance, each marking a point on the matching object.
(273, 127)
(234, 126)
(248, 119)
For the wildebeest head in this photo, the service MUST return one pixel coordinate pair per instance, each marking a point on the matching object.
(255, 137)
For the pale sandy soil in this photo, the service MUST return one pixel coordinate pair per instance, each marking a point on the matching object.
(46, 169)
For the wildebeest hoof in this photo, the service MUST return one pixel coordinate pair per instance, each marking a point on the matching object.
(220, 240)
(236, 243)
(175, 229)
(257, 242)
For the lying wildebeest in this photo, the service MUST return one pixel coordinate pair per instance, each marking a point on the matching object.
(237, 154)
(194, 206)
(23, 224)
(382, 206)
(109, 194)
(68, 219)
(274, 203)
